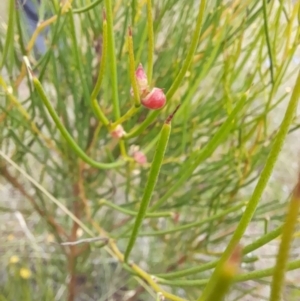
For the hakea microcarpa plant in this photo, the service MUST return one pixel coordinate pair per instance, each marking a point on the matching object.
(154, 99)
(162, 200)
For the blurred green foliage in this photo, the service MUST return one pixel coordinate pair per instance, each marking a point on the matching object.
(219, 143)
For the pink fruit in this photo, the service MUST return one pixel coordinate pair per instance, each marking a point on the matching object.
(155, 100)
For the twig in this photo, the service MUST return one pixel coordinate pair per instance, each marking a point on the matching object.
(85, 240)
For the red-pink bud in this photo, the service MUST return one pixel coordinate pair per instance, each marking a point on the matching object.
(118, 132)
(142, 81)
(141, 78)
(155, 100)
(140, 157)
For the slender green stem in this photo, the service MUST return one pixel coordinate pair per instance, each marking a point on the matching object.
(183, 282)
(103, 61)
(19, 28)
(97, 87)
(151, 117)
(266, 29)
(190, 55)
(66, 134)
(195, 224)
(10, 31)
(150, 41)
(112, 59)
(131, 112)
(298, 16)
(133, 11)
(204, 267)
(226, 276)
(134, 85)
(151, 182)
(86, 8)
(293, 265)
(134, 213)
(150, 185)
(263, 240)
(261, 185)
(284, 11)
(141, 44)
(56, 30)
(209, 148)
(284, 248)
(78, 58)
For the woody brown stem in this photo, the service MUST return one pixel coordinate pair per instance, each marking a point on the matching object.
(73, 254)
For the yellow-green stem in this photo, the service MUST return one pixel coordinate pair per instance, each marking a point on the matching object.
(66, 134)
(112, 59)
(151, 182)
(150, 41)
(100, 115)
(134, 85)
(284, 248)
(260, 187)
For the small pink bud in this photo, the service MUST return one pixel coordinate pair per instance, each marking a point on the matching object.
(141, 77)
(142, 81)
(176, 217)
(140, 157)
(118, 132)
(155, 100)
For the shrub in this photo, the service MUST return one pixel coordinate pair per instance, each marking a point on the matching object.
(129, 202)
